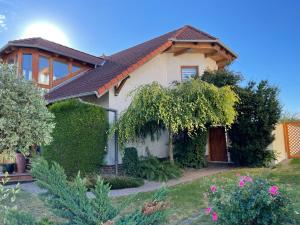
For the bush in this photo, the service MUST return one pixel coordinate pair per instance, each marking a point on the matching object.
(250, 202)
(131, 162)
(151, 168)
(251, 134)
(79, 138)
(115, 182)
(190, 151)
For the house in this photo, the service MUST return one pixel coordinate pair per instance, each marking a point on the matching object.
(107, 80)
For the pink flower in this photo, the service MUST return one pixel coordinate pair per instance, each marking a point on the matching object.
(248, 179)
(213, 188)
(273, 190)
(241, 183)
(207, 210)
(214, 216)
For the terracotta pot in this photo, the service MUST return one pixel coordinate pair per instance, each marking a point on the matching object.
(21, 163)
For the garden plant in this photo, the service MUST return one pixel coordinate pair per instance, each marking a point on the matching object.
(250, 201)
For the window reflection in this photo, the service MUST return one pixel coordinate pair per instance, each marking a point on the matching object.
(75, 68)
(44, 72)
(60, 69)
(27, 66)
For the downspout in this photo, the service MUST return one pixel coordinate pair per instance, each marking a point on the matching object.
(116, 133)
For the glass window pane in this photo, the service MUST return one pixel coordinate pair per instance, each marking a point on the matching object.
(75, 68)
(60, 69)
(188, 72)
(44, 72)
(27, 66)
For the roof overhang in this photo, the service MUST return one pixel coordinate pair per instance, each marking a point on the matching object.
(5, 50)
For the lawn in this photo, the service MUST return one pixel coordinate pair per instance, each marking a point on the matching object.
(186, 200)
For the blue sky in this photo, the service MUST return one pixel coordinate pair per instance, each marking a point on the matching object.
(265, 34)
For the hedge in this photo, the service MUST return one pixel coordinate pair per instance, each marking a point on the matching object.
(79, 137)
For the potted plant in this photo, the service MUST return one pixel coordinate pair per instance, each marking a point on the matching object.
(20, 162)
(8, 163)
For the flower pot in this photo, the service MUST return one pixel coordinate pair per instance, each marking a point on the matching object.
(9, 168)
(20, 163)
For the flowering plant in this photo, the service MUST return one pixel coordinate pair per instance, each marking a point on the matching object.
(249, 201)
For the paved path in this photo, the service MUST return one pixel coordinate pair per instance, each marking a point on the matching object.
(188, 176)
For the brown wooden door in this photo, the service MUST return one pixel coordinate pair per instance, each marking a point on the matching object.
(217, 144)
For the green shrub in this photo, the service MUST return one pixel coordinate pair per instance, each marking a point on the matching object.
(115, 182)
(151, 168)
(68, 200)
(79, 138)
(252, 133)
(190, 151)
(250, 202)
(131, 162)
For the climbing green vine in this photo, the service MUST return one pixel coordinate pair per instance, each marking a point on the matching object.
(188, 106)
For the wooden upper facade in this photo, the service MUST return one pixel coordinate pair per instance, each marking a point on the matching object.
(45, 66)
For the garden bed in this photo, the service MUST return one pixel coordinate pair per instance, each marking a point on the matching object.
(186, 200)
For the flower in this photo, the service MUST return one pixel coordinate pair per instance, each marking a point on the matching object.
(207, 210)
(241, 183)
(213, 188)
(273, 190)
(248, 179)
(214, 216)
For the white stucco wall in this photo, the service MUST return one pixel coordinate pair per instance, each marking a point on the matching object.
(278, 145)
(164, 68)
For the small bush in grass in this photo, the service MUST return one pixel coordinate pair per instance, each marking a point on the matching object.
(151, 168)
(115, 182)
(249, 202)
(131, 162)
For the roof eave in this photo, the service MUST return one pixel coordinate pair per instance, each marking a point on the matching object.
(45, 49)
(73, 96)
(207, 41)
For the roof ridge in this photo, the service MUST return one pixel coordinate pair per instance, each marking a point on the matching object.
(43, 39)
(152, 39)
(180, 31)
(69, 47)
(200, 31)
(23, 39)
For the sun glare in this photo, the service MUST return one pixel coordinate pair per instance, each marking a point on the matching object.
(47, 31)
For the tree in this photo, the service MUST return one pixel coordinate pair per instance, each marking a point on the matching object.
(188, 106)
(258, 112)
(24, 117)
(221, 78)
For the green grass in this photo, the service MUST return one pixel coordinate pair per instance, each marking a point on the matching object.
(187, 200)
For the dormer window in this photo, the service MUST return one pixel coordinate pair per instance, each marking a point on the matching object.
(75, 68)
(60, 69)
(188, 72)
(44, 70)
(27, 66)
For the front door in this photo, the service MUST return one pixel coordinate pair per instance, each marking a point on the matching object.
(217, 144)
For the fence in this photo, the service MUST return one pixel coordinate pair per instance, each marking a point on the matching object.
(292, 139)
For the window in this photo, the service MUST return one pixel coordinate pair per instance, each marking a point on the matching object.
(188, 72)
(75, 68)
(60, 69)
(27, 66)
(44, 71)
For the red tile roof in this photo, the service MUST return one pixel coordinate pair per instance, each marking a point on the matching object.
(120, 65)
(50, 46)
